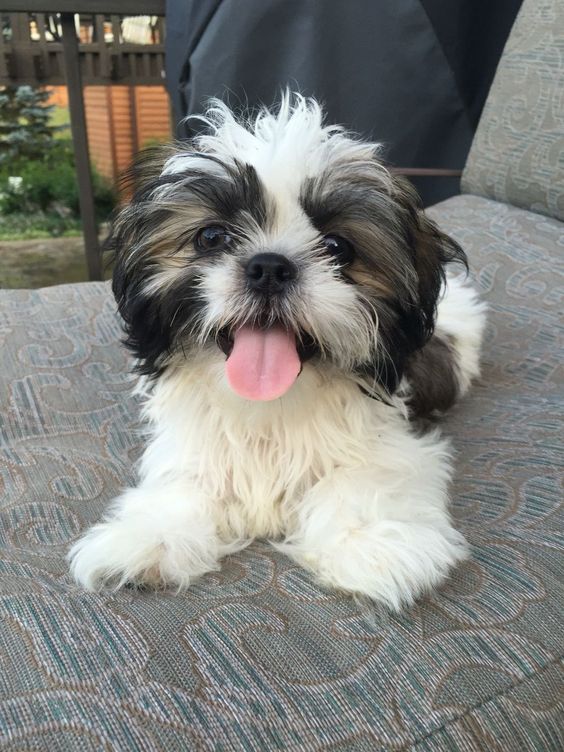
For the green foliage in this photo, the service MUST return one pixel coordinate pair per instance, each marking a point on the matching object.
(27, 226)
(49, 185)
(46, 186)
(25, 130)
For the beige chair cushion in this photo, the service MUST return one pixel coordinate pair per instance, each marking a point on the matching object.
(518, 152)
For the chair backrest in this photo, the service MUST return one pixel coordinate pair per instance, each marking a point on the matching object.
(517, 155)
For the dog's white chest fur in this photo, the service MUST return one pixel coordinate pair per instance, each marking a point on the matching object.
(258, 460)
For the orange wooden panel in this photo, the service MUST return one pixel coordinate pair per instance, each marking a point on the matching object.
(153, 114)
(98, 126)
(120, 119)
(58, 96)
(122, 127)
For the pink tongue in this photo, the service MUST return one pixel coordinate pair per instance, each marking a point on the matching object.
(263, 364)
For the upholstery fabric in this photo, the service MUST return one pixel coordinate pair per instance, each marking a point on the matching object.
(257, 656)
(517, 155)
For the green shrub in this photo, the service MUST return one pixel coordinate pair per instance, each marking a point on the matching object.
(50, 185)
(25, 128)
(45, 200)
(17, 226)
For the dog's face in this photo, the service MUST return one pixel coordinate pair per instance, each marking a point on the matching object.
(276, 243)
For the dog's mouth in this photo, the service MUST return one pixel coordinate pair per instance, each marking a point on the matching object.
(264, 361)
(305, 344)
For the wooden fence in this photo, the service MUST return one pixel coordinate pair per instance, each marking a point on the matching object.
(120, 120)
(50, 42)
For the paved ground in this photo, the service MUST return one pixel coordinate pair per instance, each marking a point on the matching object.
(38, 263)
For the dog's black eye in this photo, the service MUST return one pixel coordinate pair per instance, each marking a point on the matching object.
(340, 248)
(212, 238)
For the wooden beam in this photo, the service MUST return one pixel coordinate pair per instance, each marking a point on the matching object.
(80, 145)
(123, 7)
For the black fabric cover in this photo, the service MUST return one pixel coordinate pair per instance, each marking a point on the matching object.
(413, 74)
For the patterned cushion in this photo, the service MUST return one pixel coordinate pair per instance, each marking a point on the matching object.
(258, 657)
(518, 152)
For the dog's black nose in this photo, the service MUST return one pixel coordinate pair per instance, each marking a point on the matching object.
(270, 272)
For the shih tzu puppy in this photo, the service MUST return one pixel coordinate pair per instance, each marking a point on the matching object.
(286, 299)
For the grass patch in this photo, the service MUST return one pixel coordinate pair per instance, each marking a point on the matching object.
(39, 263)
(60, 118)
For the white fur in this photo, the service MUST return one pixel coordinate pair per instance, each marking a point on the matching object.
(337, 480)
(285, 147)
(462, 316)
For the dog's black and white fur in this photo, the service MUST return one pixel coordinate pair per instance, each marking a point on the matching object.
(332, 472)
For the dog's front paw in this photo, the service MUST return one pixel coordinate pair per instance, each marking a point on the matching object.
(390, 561)
(111, 555)
(141, 547)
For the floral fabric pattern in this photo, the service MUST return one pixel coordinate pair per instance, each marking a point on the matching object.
(258, 656)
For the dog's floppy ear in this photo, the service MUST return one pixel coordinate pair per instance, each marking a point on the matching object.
(431, 249)
(407, 324)
(131, 224)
